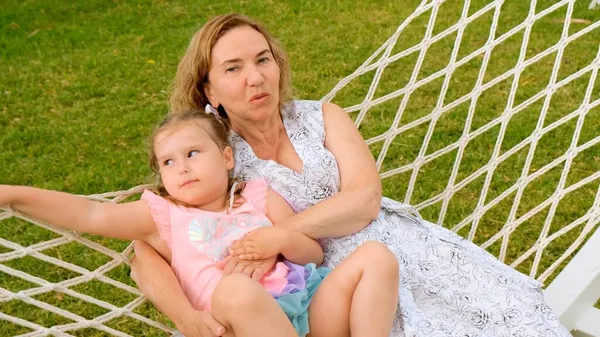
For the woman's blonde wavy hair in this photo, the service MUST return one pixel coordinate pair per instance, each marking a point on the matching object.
(187, 89)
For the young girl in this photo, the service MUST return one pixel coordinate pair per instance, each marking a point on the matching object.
(198, 216)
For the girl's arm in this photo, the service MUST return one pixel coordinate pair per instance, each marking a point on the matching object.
(359, 199)
(267, 242)
(131, 221)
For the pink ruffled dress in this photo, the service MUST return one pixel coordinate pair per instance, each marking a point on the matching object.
(199, 239)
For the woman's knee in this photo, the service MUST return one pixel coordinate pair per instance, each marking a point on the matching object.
(236, 293)
(378, 255)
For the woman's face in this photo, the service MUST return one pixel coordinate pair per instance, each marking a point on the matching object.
(244, 77)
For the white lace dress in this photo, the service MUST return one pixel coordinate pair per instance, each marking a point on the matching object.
(448, 285)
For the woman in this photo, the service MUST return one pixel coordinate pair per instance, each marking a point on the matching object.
(311, 154)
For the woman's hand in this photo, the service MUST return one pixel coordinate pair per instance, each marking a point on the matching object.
(260, 244)
(253, 269)
(200, 324)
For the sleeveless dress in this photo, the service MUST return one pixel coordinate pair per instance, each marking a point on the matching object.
(448, 285)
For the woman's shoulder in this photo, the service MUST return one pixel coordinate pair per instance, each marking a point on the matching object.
(299, 108)
(303, 103)
(305, 119)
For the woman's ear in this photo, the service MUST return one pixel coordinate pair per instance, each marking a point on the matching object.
(228, 154)
(209, 94)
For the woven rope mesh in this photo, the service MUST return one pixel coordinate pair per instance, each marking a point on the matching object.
(490, 162)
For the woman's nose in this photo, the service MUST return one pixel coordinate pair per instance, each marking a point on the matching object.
(255, 77)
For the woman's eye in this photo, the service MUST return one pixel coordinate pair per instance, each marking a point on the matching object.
(193, 153)
(263, 60)
(231, 69)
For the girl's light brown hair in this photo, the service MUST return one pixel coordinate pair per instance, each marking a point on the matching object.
(217, 130)
(187, 90)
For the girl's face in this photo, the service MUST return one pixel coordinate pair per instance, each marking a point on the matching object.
(244, 77)
(192, 167)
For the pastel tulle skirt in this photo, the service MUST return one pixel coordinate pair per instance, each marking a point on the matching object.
(295, 297)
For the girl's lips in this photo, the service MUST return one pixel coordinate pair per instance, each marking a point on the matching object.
(188, 182)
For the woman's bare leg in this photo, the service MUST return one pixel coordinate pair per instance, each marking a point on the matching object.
(358, 298)
(247, 310)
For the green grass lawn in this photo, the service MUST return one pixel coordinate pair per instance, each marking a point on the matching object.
(84, 83)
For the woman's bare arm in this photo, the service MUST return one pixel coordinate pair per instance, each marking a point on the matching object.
(158, 282)
(296, 247)
(268, 242)
(359, 199)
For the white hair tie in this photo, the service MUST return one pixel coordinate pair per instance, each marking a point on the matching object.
(209, 109)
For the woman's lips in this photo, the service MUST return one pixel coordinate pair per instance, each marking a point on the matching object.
(258, 97)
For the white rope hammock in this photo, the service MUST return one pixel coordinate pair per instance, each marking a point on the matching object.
(374, 69)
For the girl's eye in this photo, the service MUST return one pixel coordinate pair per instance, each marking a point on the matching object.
(168, 162)
(193, 153)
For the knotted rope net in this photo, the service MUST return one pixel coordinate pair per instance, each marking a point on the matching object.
(508, 162)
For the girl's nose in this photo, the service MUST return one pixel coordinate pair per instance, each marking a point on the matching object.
(183, 168)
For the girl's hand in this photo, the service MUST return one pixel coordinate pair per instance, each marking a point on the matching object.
(260, 244)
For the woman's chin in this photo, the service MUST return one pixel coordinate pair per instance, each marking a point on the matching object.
(263, 112)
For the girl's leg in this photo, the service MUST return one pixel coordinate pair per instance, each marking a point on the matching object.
(247, 310)
(359, 297)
